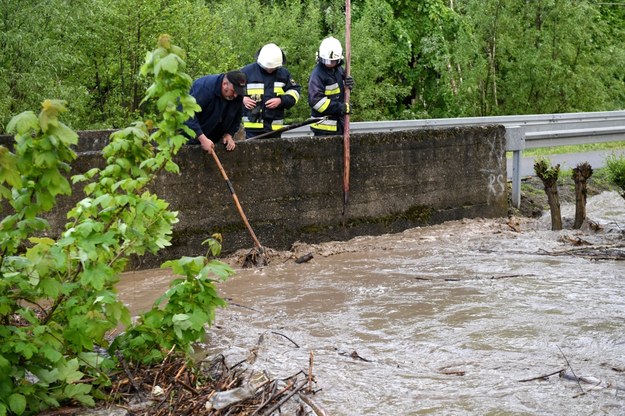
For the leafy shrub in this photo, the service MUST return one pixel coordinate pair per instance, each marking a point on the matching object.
(57, 296)
(616, 171)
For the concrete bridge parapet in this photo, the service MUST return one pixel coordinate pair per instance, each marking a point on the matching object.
(291, 189)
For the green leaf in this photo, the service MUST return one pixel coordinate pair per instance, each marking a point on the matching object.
(26, 349)
(5, 365)
(168, 99)
(8, 168)
(50, 287)
(181, 323)
(80, 392)
(41, 240)
(23, 123)
(48, 117)
(6, 306)
(95, 276)
(66, 135)
(68, 371)
(51, 354)
(169, 63)
(46, 376)
(104, 200)
(17, 403)
(95, 360)
(219, 268)
(45, 159)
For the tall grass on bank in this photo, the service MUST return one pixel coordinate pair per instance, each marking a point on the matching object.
(581, 148)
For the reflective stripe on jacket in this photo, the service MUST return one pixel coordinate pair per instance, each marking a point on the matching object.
(326, 94)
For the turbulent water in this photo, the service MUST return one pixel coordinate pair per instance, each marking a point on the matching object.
(441, 320)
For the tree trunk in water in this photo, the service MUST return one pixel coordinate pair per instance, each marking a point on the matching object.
(549, 176)
(551, 190)
(581, 173)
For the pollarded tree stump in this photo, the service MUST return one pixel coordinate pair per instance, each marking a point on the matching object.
(581, 173)
(549, 176)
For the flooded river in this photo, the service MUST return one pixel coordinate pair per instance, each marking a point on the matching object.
(441, 320)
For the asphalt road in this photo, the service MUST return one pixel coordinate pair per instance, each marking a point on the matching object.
(596, 159)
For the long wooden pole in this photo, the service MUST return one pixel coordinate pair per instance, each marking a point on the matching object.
(346, 142)
(236, 201)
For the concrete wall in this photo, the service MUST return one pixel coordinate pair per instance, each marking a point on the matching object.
(292, 189)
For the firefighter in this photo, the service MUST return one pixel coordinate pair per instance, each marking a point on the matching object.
(270, 91)
(326, 89)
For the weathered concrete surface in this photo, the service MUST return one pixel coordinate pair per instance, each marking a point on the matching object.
(292, 189)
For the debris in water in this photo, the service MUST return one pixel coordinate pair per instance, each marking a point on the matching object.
(304, 258)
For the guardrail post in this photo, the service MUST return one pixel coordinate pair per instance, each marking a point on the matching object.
(515, 142)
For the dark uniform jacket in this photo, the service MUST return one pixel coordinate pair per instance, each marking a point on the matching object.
(262, 86)
(218, 115)
(326, 96)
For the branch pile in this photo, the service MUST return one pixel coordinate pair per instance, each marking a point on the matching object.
(177, 387)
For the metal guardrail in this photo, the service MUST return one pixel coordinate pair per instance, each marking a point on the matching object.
(522, 132)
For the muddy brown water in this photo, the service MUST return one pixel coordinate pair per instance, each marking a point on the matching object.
(440, 320)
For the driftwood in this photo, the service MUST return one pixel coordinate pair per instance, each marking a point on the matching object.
(593, 382)
(282, 335)
(572, 372)
(177, 387)
(543, 377)
(602, 252)
(305, 258)
(312, 404)
(355, 356)
(449, 371)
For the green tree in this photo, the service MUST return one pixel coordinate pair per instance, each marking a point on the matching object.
(426, 58)
(380, 52)
(546, 56)
(425, 33)
(294, 25)
(36, 55)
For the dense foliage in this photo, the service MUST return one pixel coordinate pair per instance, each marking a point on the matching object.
(58, 302)
(615, 165)
(410, 59)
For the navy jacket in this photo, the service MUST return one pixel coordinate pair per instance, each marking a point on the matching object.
(218, 115)
(326, 94)
(262, 86)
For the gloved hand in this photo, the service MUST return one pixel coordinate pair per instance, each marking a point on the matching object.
(256, 114)
(344, 108)
(349, 82)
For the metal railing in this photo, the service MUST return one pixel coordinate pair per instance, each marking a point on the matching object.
(522, 132)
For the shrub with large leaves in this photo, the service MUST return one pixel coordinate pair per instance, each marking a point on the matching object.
(57, 295)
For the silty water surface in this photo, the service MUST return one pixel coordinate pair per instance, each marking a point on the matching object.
(441, 320)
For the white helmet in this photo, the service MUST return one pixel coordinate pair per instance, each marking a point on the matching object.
(330, 51)
(270, 56)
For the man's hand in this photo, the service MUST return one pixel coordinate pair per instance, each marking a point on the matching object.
(206, 143)
(248, 102)
(349, 82)
(229, 142)
(344, 108)
(273, 102)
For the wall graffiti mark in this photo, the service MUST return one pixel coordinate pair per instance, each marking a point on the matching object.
(496, 184)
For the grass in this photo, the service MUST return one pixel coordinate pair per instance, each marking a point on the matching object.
(581, 148)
